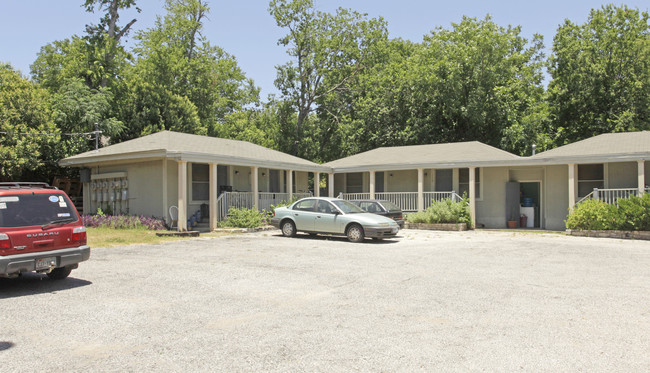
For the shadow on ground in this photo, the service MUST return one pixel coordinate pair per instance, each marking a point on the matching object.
(320, 237)
(35, 283)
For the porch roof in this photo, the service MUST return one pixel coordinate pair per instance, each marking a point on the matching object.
(193, 148)
(609, 147)
(449, 155)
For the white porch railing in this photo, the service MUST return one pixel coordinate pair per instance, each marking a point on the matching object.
(407, 201)
(228, 200)
(611, 195)
(349, 196)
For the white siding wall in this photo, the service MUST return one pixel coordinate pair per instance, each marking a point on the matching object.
(556, 196)
(401, 181)
(145, 193)
(622, 175)
(302, 181)
(491, 209)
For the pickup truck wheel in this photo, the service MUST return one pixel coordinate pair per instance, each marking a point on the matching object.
(59, 273)
(355, 233)
(288, 228)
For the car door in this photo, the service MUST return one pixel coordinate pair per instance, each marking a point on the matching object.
(303, 214)
(327, 220)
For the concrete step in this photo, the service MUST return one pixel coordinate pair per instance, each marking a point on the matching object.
(203, 227)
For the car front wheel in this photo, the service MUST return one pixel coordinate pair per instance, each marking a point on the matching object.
(355, 233)
(288, 228)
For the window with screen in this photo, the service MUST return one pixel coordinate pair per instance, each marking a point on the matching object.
(463, 181)
(590, 176)
(200, 182)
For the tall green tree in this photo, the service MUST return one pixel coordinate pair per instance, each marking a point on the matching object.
(179, 80)
(327, 51)
(27, 131)
(601, 74)
(104, 38)
(474, 81)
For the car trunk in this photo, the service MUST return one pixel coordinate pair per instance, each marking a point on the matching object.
(34, 239)
(37, 221)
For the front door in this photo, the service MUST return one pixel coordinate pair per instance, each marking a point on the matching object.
(274, 181)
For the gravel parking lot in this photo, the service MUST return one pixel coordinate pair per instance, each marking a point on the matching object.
(427, 301)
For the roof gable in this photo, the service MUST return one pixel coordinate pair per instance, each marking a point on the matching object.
(196, 148)
(608, 145)
(460, 154)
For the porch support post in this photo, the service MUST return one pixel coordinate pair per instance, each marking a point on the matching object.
(290, 183)
(472, 195)
(420, 189)
(572, 186)
(641, 173)
(255, 187)
(213, 196)
(316, 184)
(182, 196)
(165, 202)
(372, 184)
(330, 184)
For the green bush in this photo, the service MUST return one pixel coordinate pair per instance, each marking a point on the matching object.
(593, 215)
(446, 211)
(634, 213)
(271, 212)
(244, 218)
(631, 214)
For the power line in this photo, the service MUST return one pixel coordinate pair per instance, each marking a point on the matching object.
(50, 134)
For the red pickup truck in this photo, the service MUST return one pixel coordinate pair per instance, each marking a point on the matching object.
(40, 231)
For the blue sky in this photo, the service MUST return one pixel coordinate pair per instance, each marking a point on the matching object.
(246, 30)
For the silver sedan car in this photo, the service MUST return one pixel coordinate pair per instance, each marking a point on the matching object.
(332, 216)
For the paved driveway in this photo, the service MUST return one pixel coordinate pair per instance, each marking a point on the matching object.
(429, 301)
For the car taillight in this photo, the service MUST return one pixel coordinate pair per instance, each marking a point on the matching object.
(79, 234)
(5, 242)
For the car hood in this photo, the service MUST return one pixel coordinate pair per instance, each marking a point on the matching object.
(372, 219)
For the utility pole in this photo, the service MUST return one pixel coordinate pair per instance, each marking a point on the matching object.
(96, 136)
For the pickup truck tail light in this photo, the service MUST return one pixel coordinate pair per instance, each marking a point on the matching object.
(79, 234)
(5, 242)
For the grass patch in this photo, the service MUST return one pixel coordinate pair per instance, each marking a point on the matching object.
(109, 237)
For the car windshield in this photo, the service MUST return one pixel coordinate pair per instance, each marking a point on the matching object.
(390, 206)
(347, 207)
(35, 209)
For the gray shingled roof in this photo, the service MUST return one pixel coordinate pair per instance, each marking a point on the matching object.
(194, 148)
(606, 147)
(460, 154)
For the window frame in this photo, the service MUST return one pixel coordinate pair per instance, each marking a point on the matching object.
(478, 183)
(192, 182)
(591, 181)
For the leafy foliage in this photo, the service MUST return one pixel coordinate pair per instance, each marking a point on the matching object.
(122, 222)
(601, 74)
(179, 81)
(26, 119)
(244, 218)
(446, 211)
(630, 214)
(327, 51)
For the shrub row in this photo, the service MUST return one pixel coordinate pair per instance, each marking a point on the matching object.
(244, 218)
(123, 222)
(631, 214)
(446, 211)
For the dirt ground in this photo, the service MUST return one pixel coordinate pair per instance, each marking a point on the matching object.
(426, 301)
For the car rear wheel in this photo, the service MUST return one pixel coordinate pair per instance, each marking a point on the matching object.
(355, 233)
(288, 228)
(59, 273)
